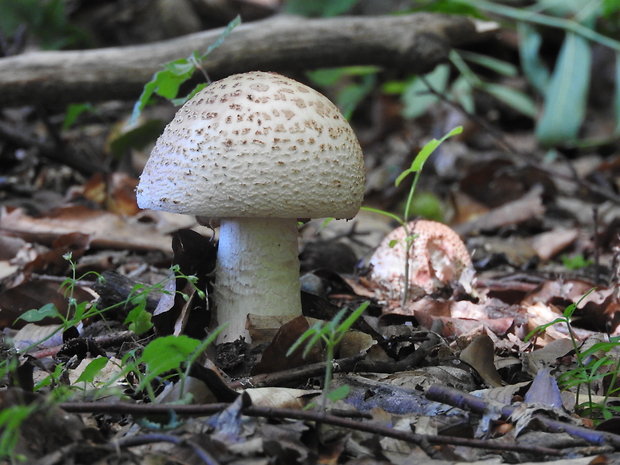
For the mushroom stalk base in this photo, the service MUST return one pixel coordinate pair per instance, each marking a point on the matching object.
(257, 272)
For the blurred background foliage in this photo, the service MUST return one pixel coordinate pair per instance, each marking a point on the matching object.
(565, 48)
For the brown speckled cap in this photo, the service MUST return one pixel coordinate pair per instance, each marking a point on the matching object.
(256, 145)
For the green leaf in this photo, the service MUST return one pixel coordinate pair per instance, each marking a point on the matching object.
(325, 8)
(316, 337)
(92, 370)
(138, 320)
(38, 314)
(167, 353)
(499, 66)
(220, 39)
(565, 99)
(180, 68)
(541, 328)
(401, 177)
(394, 87)
(454, 7)
(166, 82)
(513, 98)
(73, 112)
(136, 138)
(428, 205)
(350, 97)
(182, 100)
(462, 92)
(316, 327)
(430, 147)
(417, 98)
(353, 317)
(339, 393)
(384, 213)
(534, 69)
(575, 262)
(610, 7)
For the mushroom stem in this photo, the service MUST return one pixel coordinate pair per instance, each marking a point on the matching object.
(257, 272)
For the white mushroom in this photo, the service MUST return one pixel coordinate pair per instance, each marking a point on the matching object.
(436, 258)
(257, 150)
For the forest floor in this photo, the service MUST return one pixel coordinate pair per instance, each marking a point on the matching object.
(508, 355)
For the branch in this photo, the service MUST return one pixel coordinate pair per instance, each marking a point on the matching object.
(466, 401)
(416, 42)
(306, 415)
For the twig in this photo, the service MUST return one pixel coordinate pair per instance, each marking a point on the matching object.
(342, 365)
(270, 412)
(143, 439)
(103, 341)
(465, 401)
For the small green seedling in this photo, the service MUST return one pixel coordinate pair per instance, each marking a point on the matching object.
(167, 82)
(575, 262)
(593, 364)
(138, 320)
(11, 419)
(415, 169)
(330, 333)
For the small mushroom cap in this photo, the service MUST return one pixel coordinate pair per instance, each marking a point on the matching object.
(437, 257)
(256, 145)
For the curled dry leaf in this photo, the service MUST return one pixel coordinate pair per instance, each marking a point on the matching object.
(436, 258)
(479, 354)
(104, 229)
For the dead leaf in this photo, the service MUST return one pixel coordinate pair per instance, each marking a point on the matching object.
(544, 390)
(105, 229)
(551, 243)
(274, 356)
(480, 355)
(515, 212)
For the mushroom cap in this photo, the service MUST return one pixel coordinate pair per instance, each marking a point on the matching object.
(437, 257)
(256, 145)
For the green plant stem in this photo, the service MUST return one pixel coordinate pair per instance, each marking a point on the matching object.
(408, 242)
(329, 373)
(521, 14)
(579, 362)
(612, 383)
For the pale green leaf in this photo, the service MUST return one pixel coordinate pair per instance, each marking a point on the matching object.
(429, 148)
(38, 314)
(565, 98)
(461, 91)
(92, 370)
(513, 98)
(167, 353)
(417, 98)
(534, 69)
(339, 393)
(494, 64)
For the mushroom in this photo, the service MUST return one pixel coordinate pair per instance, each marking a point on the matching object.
(436, 258)
(257, 151)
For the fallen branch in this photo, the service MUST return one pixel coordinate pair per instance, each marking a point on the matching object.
(272, 412)
(466, 401)
(416, 42)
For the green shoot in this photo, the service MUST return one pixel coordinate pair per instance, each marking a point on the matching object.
(575, 262)
(167, 82)
(593, 364)
(330, 333)
(416, 170)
